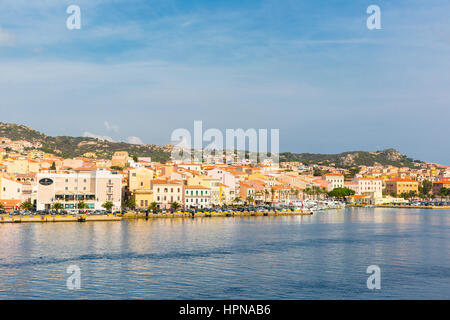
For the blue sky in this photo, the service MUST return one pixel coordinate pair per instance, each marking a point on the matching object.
(137, 70)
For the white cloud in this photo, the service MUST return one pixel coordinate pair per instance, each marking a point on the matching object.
(92, 135)
(111, 127)
(7, 38)
(134, 140)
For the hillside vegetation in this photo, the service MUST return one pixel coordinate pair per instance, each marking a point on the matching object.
(70, 147)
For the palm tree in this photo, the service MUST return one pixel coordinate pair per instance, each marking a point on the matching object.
(2, 206)
(272, 191)
(250, 200)
(108, 205)
(175, 205)
(57, 206)
(307, 191)
(266, 194)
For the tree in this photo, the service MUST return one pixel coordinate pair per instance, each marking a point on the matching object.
(53, 166)
(341, 193)
(27, 205)
(57, 206)
(426, 187)
(266, 194)
(444, 192)
(318, 172)
(237, 200)
(108, 205)
(250, 200)
(175, 205)
(272, 192)
(82, 205)
(117, 168)
(153, 206)
(2, 206)
(130, 204)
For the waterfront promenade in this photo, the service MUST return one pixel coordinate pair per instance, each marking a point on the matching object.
(140, 215)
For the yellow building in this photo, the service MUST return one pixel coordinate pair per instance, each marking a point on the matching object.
(140, 187)
(120, 159)
(142, 198)
(399, 186)
(140, 179)
(22, 166)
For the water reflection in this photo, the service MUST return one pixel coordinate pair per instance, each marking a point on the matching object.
(320, 256)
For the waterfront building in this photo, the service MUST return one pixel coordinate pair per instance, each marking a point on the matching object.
(246, 191)
(368, 186)
(140, 187)
(335, 180)
(166, 192)
(208, 182)
(92, 186)
(399, 186)
(438, 185)
(197, 197)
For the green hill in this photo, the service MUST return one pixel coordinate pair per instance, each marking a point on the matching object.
(353, 158)
(69, 147)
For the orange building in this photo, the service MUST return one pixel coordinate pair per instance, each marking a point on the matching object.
(399, 186)
(438, 185)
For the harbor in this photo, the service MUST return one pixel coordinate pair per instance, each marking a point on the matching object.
(319, 256)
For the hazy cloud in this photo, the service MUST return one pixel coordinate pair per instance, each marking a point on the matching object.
(7, 38)
(111, 127)
(99, 137)
(134, 140)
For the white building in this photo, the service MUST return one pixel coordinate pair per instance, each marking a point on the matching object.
(93, 187)
(335, 180)
(197, 197)
(369, 186)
